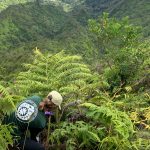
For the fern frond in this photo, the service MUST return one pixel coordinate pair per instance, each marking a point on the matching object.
(68, 89)
(5, 136)
(61, 72)
(3, 91)
(6, 98)
(70, 59)
(70, 66)
(122, 124)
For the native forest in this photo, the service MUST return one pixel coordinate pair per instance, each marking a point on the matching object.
(96, 53)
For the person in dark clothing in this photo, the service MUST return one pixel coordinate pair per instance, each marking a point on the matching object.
(30, 115)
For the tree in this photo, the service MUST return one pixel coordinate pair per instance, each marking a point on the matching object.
(119, 48)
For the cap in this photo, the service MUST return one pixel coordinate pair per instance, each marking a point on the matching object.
(56, 98)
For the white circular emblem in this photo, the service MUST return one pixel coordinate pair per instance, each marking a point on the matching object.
(26, 111)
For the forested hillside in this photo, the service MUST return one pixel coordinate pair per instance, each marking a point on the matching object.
(96, 53)
(136, 10)
(26, 26)
(47, 25)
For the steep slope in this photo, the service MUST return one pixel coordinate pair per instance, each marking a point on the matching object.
(26, 23)
(57, 24)
(26, 26)
(137, 10)
(29, 23)
(66, 4)
(5, 3)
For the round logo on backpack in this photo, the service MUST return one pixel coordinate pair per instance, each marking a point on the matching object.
(26, 111)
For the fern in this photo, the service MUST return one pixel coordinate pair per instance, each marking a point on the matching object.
(110, 116)
(7, 104)
(117, 124)
(6, 100)
(77, 136)
(104, 127)
(61, 72)
(5, 136)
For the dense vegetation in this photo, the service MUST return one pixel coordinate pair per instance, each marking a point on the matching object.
(102, 61)
(49, 27)
(24, 27)
(138, 11)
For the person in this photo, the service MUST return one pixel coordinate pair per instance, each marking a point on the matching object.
(30, 115)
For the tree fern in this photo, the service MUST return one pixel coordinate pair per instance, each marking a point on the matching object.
(65, 73)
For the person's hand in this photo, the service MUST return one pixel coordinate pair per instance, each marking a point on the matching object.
(41, 105)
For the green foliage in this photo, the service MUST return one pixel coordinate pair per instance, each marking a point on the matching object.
(6, 3)
(6, 101)
(67, 5)
(141, 144)
(61, 72)
(26, 26)
(103, 128)
(77, 136)
(6, 106)
(113, 34)
(111, 118)
(136, 10)
(5, 136)
(116, 51)
(140, 9)
(13, 24)
(123, 53)
(50, 28)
